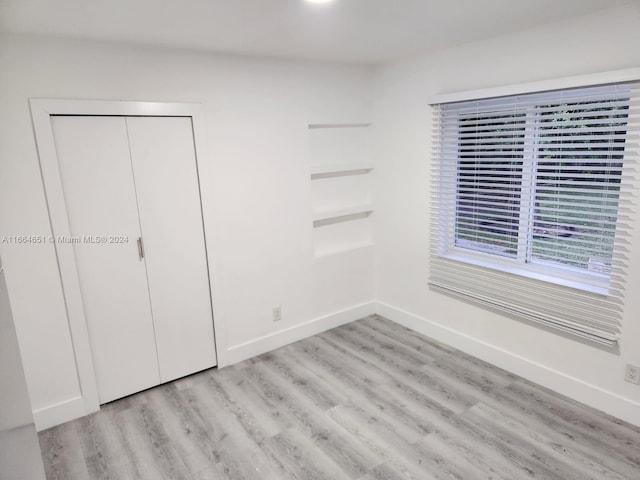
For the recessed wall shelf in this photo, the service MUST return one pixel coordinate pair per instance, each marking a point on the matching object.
(342, 215)
(339, 170)
(340, 166)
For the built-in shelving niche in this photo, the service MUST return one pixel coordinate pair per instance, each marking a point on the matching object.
(340, 173)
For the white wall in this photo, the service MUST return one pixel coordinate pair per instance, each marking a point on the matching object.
(605, 41)
(258, 208)
(255, 184)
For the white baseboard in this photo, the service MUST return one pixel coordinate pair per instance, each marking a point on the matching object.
(75, 407)
(59, 413)
(270, 342)
(571, 387)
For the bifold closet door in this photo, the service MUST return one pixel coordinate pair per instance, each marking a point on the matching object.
(166, 180)
(95, 169)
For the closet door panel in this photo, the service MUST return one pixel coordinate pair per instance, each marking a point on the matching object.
(95, 168)
(166, 178)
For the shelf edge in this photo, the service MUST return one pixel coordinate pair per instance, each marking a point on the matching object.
(344, 171)
(339, 216)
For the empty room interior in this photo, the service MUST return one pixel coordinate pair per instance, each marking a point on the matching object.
(320, 239)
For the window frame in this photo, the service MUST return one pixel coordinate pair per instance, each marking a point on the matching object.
(522, 264)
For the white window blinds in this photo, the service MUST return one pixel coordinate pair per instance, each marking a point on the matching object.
(531, 195)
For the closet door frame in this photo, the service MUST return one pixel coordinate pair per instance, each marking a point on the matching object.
(41, 112)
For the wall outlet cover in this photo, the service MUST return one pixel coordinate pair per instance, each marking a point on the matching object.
(277, 313)
(632, 374)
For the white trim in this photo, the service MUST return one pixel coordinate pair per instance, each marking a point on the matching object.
(75, 407)
(270, 342)
(60, 413)
(588, 80)
(41, 112)
(114, 107)
(586, 393)
(596, 397)
(571, 277)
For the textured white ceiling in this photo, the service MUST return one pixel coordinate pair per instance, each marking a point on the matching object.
(368, 31)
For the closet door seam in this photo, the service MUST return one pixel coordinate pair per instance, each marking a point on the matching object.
(204, 233)
(143, 259)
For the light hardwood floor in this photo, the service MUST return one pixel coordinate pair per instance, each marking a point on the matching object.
(369, 400)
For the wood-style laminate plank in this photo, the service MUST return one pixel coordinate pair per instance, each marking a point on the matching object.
(104, 447)
(303, 458)
(240, 453)
(560, 454)
(443, 356)
(62, 453)
(370, 400)
(599, 427)
(397, 367)
(308, 418)
(148, 445)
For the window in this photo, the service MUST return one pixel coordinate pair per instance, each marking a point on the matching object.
(529, 195)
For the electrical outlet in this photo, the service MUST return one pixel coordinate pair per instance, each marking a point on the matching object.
(276, 313)
(632, 374)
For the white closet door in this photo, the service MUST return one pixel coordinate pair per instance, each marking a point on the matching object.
(95, 168)
(166, 176)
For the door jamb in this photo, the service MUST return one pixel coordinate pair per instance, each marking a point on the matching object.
(41, 112)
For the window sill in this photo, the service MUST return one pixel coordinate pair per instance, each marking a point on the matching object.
(576, 283)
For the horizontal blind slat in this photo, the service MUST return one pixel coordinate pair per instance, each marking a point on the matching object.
(541, 181)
